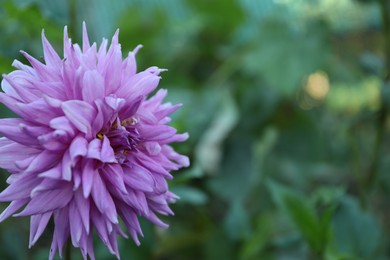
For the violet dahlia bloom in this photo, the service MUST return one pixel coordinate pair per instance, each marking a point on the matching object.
(89, 149)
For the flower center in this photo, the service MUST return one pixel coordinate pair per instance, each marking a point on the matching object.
(124, 137)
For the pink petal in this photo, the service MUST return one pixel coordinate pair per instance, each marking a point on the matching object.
(77, 148)
(80, 113)
(62, 123)
(103, 199)
(83, 208)
(140, 84)
(40, 204)
(75, 224)
(93, 86)
(153, 148)
(51, 56)
(20, 189)
(88, 173)
(107, 153)
(11, 128)
(138, 178)
(37, 226)
(113, 173)
(156, 132)
(86, 44)
(12, 208)
(43, 161)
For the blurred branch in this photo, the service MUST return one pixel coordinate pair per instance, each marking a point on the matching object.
(373, 167)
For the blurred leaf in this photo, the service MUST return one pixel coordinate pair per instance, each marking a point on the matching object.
(54, 10)
(328, 196)
(215, 14)
(275, 43)
(256, 244)
(233, 181)
(218, 246)
(190, 195)
(237, 221)
(209, 150)
(25, 23)
(356, 232)
(262, 149)
(186, 175)
(354, 97)
(315, 229)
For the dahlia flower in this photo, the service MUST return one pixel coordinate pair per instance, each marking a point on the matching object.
(90, 150)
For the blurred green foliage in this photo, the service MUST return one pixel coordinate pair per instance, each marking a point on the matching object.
(282, 100)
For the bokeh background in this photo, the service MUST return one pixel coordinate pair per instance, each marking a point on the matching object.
(286, 103)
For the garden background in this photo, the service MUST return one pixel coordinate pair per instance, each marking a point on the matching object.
(286, 103)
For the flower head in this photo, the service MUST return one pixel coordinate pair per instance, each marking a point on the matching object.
(89, 149)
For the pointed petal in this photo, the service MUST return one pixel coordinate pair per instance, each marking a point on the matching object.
(51, 56)
(38, 111)
(61, 230)
(80, 113)
(20, 189)
(37, 226)
(156, 132)
(101, 150)
(113, 69)
(12, 208)
(44, 72)
(130, 108)
(46, 185)
(155, 220)
(40, 204)
(11, 128)
(138, 178)
(78, 147)
(93, 86)
(103, 199)
(130, 65)
(100, 225)
(107, 153)
(76, 226)
(62, 123)
(140, 84)
(130, 219)
(43, 161)
(83, 208)
(153, 148)
(10, 154)
(88, 174)
(113, 173)
(53, 173)
(86, 44)
(104, 114)
(66, 167)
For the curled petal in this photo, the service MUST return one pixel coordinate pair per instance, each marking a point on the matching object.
(80, 113)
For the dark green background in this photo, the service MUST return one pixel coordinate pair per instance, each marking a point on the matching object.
(285, 104)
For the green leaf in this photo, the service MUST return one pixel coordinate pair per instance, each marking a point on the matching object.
(237, 221)
(356, 232)
(209, 150)
(190, 195)
(315, 229)
(255, 246)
